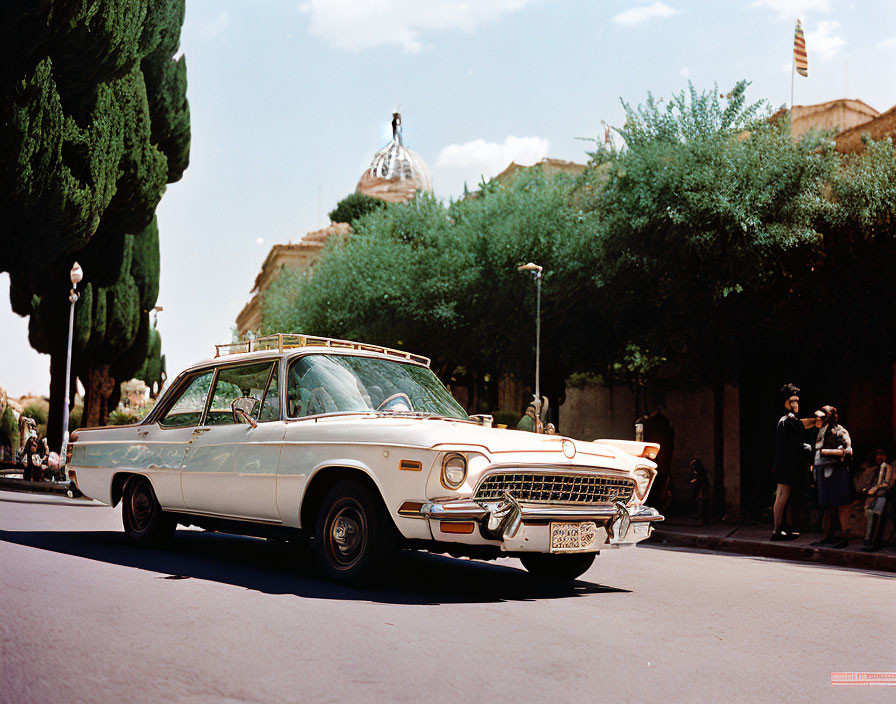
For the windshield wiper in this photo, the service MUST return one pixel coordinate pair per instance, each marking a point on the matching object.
(396, 412)
(428, 415)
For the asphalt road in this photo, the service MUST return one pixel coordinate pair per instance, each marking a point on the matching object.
(213, 618)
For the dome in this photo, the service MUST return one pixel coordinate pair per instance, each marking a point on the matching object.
(396, 173)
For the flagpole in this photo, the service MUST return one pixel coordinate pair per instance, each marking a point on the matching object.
(792, 75)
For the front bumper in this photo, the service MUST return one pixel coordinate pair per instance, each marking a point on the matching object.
(521, 527)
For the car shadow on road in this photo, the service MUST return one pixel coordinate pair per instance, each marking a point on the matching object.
(280, 568)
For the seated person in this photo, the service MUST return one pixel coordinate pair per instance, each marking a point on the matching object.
(876, 499)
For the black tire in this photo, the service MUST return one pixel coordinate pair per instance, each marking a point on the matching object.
(560, 568)
(354, 538)
(144, 521)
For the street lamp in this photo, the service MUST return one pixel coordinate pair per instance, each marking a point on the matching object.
(536, 273)
(76, 274)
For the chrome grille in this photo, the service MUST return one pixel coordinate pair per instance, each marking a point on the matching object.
(560, 487)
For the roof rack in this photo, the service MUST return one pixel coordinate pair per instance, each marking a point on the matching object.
(285, 341)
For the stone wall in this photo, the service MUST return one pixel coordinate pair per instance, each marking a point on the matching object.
(594, 412)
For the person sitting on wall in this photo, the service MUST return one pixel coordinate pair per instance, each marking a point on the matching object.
(33, 460)
(531, 420)
(876, 501)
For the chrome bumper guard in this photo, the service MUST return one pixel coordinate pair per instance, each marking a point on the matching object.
(502, 520)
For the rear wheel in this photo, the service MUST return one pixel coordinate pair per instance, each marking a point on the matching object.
(144, 521)
(565, 567)
(354, 538)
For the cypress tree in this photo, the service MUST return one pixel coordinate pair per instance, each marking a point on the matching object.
(94, 122)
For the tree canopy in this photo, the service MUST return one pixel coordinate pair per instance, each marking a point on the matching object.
(708, 242)
(95, 124)
(443, 279)
(353, 206)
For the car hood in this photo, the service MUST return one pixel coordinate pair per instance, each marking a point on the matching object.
(502, 445)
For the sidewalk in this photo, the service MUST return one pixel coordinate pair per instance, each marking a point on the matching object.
(13, 482)
(749, 538)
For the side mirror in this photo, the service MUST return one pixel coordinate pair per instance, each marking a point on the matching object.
(244, 407)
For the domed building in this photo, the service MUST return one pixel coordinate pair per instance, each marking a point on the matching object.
(396, 173)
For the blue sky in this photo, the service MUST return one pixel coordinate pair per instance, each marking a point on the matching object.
(290, 100)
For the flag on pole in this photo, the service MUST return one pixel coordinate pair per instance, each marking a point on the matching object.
(800, 60)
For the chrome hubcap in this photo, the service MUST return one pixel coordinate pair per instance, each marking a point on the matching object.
(141, 507)
(347, 534)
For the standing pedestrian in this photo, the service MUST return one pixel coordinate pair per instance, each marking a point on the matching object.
(789, 465)
(832, 449)
(657, 428)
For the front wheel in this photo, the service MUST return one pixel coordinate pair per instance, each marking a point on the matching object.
(565, 567)
(354, 539)
(144, 521)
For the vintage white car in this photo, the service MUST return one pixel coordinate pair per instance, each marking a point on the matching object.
(360, 450)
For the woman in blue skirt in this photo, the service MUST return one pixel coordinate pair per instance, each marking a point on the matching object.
(832, 448)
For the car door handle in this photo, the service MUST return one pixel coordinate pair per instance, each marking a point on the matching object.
(201, 430)
(142, 433)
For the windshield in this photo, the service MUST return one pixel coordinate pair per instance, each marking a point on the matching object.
(324, 383)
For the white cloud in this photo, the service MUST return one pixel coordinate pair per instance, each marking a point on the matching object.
(887, 43)
(685, 72)
(823, 42)
(790, 10)
(364, 24)
(215, 27)
(481, 158)
(645, 13)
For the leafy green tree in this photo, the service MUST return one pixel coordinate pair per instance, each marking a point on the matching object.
(443, 280)
(701, 217)
(354, 206)
(9, 429)
(152, 373)
(95, 123)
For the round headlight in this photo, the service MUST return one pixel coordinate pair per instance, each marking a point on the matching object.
(643, 477)
(454, 470)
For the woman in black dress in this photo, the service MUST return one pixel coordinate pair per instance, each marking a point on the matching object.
(789, 464)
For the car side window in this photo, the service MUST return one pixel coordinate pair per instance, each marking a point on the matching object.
(270, 409)
(233, 383)
(187, 409)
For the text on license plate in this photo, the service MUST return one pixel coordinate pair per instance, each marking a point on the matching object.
(573, 537)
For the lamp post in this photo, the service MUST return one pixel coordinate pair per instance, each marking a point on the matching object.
(76, 274)
(536, 274)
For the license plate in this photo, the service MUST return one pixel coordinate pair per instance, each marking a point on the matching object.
(574, 537)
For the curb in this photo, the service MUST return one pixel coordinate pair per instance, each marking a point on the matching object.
(800, 553)
(21, 485)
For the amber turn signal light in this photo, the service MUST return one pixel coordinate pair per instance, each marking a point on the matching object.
(410, 465)
(651, 450)
(460, 527)
(410, 508)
